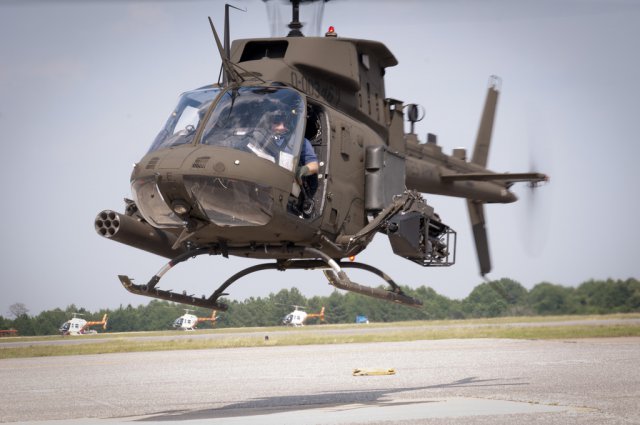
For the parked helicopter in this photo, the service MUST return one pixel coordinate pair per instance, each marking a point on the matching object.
(218, 179)
(298, 316)
(78, 326)
(189, 322)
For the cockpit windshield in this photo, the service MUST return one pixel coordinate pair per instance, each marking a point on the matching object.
(183, 121)
(267, 121)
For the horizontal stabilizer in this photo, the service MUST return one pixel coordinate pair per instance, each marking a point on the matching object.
(508, 177)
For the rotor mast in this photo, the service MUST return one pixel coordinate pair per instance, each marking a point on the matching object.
(295, 26)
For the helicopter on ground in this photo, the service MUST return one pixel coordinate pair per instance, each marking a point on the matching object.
(219, 180)
(189, 322)
(298, 316)
(79, 326)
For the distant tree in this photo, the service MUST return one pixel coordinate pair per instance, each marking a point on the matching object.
(18, 309)
(5, 323)
(633, 302)
(336, 309)
(24, 325)
(510, 298)
(48, 322)
(437, 306)
(547, 298)
(124, 319)
(483, 301)
(495, 298)
(597, 296)
(289, 298)
(258, 312)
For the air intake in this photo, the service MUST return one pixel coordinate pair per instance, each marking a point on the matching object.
(200, 162)
(152, 163)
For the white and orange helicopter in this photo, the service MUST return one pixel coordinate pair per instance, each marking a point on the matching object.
(79, 326)
(189, 322)
(298, 316)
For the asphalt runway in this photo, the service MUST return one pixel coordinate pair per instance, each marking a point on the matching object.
(473, 381)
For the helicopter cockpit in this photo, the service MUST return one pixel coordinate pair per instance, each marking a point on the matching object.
(265, 121)
(243, 119)
(246, 119)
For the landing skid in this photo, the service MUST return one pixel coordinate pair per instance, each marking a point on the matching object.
(332, 269)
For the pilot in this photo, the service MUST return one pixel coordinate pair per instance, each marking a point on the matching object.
(308, 163)
(308, 167)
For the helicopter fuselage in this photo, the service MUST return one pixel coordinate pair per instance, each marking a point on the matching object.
(220, 179)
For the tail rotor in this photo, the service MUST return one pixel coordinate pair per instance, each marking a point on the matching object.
(536, 205)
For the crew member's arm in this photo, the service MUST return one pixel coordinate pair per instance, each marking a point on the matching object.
(308, 161)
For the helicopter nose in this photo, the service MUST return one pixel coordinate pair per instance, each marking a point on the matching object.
(231, 202)
(223, 201)
(225, 187)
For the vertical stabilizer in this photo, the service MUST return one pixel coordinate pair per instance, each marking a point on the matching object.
(476, 215)
(483, 140)
(480, 156)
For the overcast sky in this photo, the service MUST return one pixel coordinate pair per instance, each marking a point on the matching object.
(85, 86)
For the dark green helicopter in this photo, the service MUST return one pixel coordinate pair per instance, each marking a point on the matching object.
(219, 179)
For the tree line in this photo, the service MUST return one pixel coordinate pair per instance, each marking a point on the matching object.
(504, 297)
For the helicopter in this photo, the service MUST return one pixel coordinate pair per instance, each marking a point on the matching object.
(218, 180)
(78, 326)
(298, 316)
(189, 322)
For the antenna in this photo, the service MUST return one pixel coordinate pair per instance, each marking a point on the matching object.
(229, 72)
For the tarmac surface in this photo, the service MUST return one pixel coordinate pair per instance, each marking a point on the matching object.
(471, 381)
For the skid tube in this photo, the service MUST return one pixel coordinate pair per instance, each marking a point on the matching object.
(331, 268)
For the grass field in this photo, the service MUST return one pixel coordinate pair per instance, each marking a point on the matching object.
(548, 327)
